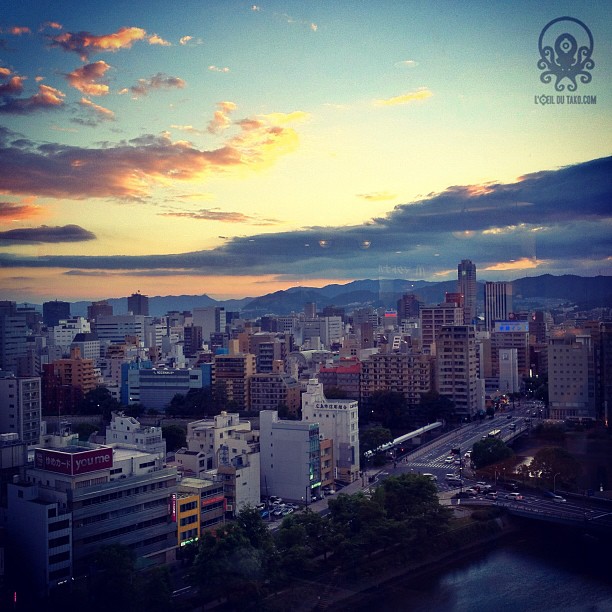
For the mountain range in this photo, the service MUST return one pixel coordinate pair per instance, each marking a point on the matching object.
(529, 292)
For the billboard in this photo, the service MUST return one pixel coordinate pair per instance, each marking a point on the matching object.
(73, 463)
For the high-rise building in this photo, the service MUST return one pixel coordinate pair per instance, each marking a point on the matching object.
(433, 318)
(20, 406)
(571, 378)
(498, 302)
(97, 309)
(466, 285)
(408, 307)
(138, 304)
(231, 377)
(13, 338)
(458, 368)
(54, 312)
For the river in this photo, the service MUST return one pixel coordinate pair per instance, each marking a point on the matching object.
(535, 572)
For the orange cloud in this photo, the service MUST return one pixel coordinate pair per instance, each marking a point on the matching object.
(19, 30)
(130, 170)
(13, 88)
(47, 97)
(54, 25)
(420, 94)
(154, 39)
(221, 119)
(104, 113)
(12, 211)
(515, 264)
(207, 214)
(85, 43)
(84, 79)
(4, 72)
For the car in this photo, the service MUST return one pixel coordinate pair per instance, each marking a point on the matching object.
(472, 491)
(274, 498)
(558, 499)
(457, 461)
(514, 496)
(449, 459)
(277, 512)
(509, 416)
(491, 495)
(260, 506)
(264, 514)
(287, 511)
(328, 491)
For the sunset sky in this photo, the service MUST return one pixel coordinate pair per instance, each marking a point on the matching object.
(236, 149)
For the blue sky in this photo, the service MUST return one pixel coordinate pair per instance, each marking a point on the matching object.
(234, 149)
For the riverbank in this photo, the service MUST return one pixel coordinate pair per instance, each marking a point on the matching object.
(341, 591)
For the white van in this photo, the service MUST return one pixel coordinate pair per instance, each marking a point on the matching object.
(431, 476)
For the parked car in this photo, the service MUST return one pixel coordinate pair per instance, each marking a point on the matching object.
(274, 498)
(264, 514)
(277, 512)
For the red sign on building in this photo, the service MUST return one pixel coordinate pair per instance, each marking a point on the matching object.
(73, 462)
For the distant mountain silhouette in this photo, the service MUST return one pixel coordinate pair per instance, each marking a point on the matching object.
(586, 292)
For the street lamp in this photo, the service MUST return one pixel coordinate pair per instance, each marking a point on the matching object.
(554, 482)
(307, 487)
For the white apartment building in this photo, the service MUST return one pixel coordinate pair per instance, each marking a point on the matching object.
(339, 421)
(432, 319)
(128, 432)
(63, 334)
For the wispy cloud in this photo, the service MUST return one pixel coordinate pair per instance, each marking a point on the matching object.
(215, 214)
(412, 96)
(185, 39)
(157, 81)
(214, 68)
(46, 234)
(16, 30)
(103, 113)
(86, 78)
(54, 25)
(407, 63)
(85, 43)
(378, 196)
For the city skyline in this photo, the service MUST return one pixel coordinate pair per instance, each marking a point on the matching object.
(235, 149)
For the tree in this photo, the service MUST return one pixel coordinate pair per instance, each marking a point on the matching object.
(154, 592)
(175, 436)
(98, 401)
(373, 437)
(413, 499)
(111, 584)
(236, 562)
(84, 430)
(388, 408)
(554, 461)
(490, 451)
(433, 407)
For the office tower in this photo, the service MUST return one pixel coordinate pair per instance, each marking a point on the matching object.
(498, 302)
(232, 375)
(571, 378)
(408, 307)
(458, 368)
(211, 319)
(99, 309)
(509, 380)
(13, 338)
(138, 304)
(55, 311)
(466, 285)
(510, 335)
(310, 310)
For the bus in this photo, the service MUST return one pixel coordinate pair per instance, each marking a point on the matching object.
(496, 433)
